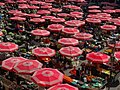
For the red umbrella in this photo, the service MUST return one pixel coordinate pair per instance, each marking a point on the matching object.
(94, 11)
(117, 10)
(117, 45)
(97, 57)
(72, 7)
(46, 7)
(40, 32)
(55, 10)
(70, 51)
(117, 23)
(18, 18)
(27, 66)
(93, 20)
(83, 36)
(108, 27)
(75, 12)
(8, 47)
(47, 77)
(33, 7)
(23, 6)
(74, 23)
(9, 63)
(33, 15)
(55, 27)
(70, 30)
(48, 17)
(104, 14)
(92, 16)
(43, 52)
(94, 7)
(104, 18)
(20, 14)
(117, 55)
(10, 2)
(14, 11)
(35, 2)
(63, 87)
(43, 12)
(49, 1)
(68, 41)
(63, 14)
(21, 1)
(109, 11)
(58, 20)
(37, 20)
(2, 4)
(114, 20)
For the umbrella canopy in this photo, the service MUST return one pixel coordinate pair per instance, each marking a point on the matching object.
(40, 32)
(70, 30)
(55, 27)
(83, 36)
(9, 63)
(74, 23)
(117, 55)
(27, 66)
(55, 10)
(97, 57)
(94, 7)
(117, 45)
(47, 77)
(37, 20)
(43, 52)
(63, 87)
(8, 47)
(93, 20)
(63, 14)
(108, 27)
(68, 41)
(43, 12)
(33, 15)
(70, 51)
(18, 18)
(94, 11)
(58, 20)
(48, 17)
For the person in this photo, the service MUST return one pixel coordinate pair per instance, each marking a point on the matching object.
(78, 73)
